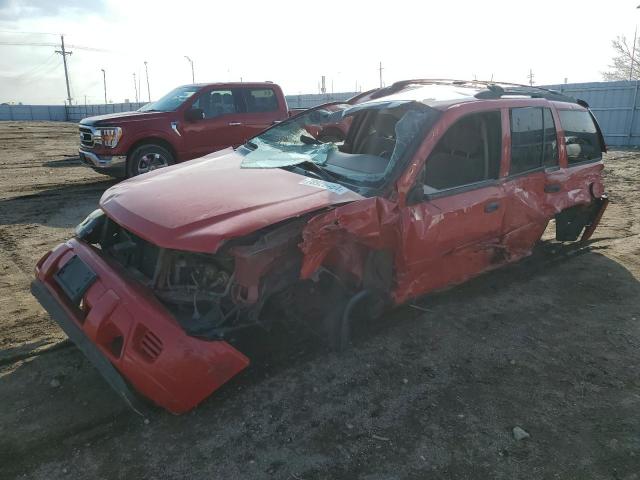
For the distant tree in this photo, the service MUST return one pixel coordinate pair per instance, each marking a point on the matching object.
(621, 61)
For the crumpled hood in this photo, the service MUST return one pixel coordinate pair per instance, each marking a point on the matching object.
(197, 205)
(120, 117)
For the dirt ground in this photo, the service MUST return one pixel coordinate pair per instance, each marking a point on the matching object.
(551, 345)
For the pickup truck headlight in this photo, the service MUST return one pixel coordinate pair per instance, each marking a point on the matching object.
(109, 136)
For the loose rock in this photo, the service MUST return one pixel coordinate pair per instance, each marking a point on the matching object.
(54, 383)
(520, 434)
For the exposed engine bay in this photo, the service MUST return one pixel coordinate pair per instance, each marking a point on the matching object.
(210, 295)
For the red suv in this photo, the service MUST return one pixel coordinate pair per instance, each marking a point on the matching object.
(187, 123)
(433, 182)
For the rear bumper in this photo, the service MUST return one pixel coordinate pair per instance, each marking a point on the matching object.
(131, 338)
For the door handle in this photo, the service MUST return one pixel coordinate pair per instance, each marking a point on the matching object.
(491, 207)
(234, 124)
(552, 188)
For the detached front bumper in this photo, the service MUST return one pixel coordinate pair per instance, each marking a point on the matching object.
(113, 164)
(130, 337)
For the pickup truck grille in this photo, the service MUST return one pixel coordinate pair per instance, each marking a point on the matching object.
(86, 137)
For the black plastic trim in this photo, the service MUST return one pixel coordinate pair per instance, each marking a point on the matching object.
(97, 359)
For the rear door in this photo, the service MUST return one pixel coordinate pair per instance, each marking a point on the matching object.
(454, 232)
(263, 109)
(531, 179)
(222, 125)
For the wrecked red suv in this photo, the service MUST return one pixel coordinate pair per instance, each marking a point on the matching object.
(432, 183)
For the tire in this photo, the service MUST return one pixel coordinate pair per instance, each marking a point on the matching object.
(147, 158)
(338, 321)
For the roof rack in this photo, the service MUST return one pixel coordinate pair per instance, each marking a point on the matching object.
(493, 89)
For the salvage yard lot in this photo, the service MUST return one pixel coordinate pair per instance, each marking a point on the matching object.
(551, 344)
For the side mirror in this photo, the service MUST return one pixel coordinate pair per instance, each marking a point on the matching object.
(194, 114)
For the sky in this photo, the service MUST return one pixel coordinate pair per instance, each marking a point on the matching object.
(295, 43)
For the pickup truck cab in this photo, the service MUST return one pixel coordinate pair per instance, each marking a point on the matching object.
(424, 185)
(188, 122)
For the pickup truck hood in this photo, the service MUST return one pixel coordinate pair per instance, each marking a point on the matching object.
(197, 205)
(121, 117)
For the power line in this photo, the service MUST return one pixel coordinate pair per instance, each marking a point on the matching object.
(46, 44)
(28, 33)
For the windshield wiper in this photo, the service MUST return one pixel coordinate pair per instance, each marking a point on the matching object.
(252, 145)
(320, 170)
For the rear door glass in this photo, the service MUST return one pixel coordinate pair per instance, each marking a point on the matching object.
(527, 133)
(260, 100)
(550, 140)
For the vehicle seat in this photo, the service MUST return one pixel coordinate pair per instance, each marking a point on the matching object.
(459, 157)
(227, 103)
(216, 105)
(382, 139)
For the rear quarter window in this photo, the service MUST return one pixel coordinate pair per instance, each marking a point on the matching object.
(581, 136)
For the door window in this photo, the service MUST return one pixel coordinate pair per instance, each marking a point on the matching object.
(468, 153)
(581, 136)
(550, 140)
(534, 141)
(260, 100)
(216, 103)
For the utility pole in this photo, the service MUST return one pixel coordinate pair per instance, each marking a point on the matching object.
(135, 85)
(323, 88)
(146, 71)
(104, 81)
(380, 70)
(530, 77)
(193, 77)
(64, 54)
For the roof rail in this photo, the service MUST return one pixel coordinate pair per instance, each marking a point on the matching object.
(494, 89)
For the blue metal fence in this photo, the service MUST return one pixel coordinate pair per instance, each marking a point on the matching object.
(75, 113)
(615, 105)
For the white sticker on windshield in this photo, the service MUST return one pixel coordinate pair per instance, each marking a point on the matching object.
(332, 187)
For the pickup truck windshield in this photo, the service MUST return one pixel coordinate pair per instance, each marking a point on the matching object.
(171, 100)
(357, 146)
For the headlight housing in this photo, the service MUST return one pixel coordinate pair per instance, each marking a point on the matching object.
(107, 136)
(90, 228)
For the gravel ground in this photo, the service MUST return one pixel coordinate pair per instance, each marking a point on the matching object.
(550, 345)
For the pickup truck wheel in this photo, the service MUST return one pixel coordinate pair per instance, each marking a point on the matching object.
(146, 158)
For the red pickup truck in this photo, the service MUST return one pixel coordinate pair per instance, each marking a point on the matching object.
(188, 122)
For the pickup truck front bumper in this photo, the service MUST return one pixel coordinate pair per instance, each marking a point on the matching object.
(129, 336)
(113, 165)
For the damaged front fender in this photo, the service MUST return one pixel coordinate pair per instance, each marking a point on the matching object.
(341, 237)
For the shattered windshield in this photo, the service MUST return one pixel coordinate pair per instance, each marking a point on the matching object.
(352, 145)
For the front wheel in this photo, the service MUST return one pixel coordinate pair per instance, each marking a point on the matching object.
(148, 157)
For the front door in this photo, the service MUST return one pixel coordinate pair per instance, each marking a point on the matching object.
(454, 233)
(222, 125)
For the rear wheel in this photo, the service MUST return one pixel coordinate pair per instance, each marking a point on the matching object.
(147, 158)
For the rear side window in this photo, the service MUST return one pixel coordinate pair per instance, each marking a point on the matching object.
(260, 100)
(580, 135)
(533, 139)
